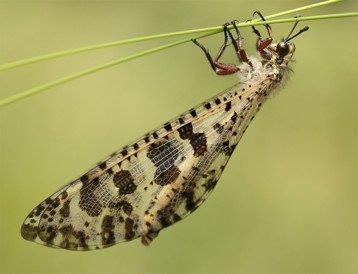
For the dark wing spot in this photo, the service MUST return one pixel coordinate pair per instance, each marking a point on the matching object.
(124, 181)
(28, 232)
(176, 217)
(49, 200)
(168, 127)
(65, 210)
(56, 202)
(128, 227)
(88, 200)
(161, 155)
(107, 232)
(81, 238)
(227, 149)
(186, 131)
(72, 239)
(127, 207)
(234, 117)
(166, 177)
(64, 195)
(228, 106)
(198, 143)
(102, 165)
(164, 217)
(193, 113)
(210, 184)
(66, 230)
(84, 178)
(49, 235)
(190, 205)
(38, 210)
(219, 128)
(181, 120)
(158, 153)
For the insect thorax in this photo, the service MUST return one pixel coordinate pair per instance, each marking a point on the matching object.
(276, 74)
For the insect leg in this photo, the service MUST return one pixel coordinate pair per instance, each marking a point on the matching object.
(218, 68)
(238, 43)
(224, 45)
(262, 43)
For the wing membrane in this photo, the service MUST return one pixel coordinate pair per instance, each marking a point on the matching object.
(148, 185)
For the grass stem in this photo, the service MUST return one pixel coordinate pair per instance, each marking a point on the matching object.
(71, 77)
(144, 38)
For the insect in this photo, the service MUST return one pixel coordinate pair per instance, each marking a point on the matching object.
(169, 172)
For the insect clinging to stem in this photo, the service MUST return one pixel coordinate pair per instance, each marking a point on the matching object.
(169, 172)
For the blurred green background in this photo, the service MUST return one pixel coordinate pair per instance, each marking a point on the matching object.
(287, 203)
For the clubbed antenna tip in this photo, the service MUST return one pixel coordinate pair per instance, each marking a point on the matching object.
(298, 33)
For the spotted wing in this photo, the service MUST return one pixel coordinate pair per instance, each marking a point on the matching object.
(205, 172)
(145, 186)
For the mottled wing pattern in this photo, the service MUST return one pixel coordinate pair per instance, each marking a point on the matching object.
(149, 184)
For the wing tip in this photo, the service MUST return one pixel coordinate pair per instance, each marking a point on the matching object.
(28, 232)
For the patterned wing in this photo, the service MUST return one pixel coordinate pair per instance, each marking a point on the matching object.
(148, 185)
(205, 172)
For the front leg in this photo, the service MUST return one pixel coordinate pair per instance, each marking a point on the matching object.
(238, 44)
(261, 43)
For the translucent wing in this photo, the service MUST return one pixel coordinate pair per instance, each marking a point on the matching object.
(150, 184)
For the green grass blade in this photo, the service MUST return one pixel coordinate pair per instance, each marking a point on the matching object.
(144, 38)
(63, 80)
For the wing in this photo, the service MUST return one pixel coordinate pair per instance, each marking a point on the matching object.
(204, 173)
(149, 184)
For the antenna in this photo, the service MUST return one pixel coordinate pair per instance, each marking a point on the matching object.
(298, 33)
(293, 28)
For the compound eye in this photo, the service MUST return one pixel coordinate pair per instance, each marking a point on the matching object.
(283, 48)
